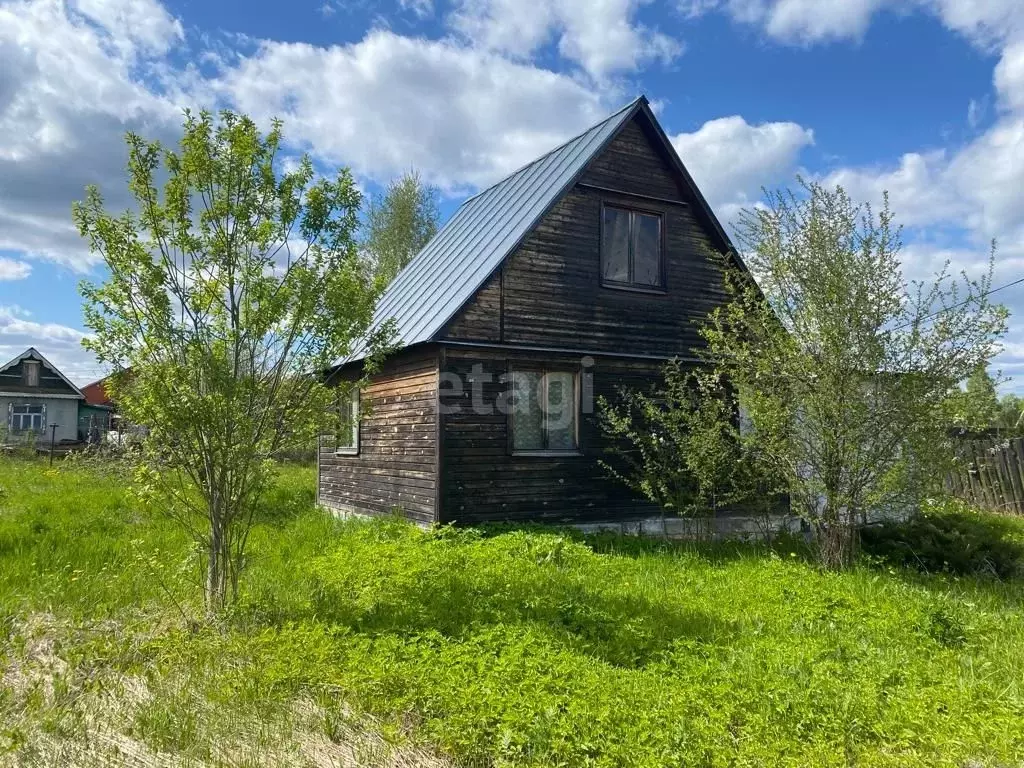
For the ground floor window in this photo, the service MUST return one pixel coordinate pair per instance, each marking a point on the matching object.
(544, 412)
(27, 418)
(347, 439)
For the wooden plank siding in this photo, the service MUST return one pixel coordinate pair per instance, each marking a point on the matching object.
(482, 482)
(396, 466)
(50, 383)
(631, 163)
(442, 453)
(480, 320)
(549, 293)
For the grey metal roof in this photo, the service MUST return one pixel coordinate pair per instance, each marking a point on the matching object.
(485, 229)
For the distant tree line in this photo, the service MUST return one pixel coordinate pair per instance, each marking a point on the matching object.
(977, 408)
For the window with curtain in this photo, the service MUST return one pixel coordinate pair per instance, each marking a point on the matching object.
(544, 413)
(631, 248)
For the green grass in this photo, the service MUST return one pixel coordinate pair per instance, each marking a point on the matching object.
(507, 648)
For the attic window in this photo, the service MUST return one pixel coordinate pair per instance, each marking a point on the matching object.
(631, 249)
(31, 373)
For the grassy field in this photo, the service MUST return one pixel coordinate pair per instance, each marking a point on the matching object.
(379, 644)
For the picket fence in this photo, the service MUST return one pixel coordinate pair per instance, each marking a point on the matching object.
(991, 474)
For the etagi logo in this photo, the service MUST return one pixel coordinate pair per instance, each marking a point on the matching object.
(558, 391)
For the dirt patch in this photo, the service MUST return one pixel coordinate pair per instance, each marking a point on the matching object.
(53, 714)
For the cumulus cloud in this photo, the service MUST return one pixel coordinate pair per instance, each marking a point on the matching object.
(12, 269)
(69, 89)
(732, 160)
(74, 77)
(813, 20)
(1009, 78)
(918, 187)
(799, 21)
(462, 116)
(602, 36)
(61, 345)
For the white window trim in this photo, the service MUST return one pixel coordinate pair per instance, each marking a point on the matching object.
(47, 395)
(356, 406)
(40, 417)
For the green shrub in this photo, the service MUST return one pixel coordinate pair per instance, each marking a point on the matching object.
(951, 540)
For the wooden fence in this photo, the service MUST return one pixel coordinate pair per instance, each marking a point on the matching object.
(992, 474)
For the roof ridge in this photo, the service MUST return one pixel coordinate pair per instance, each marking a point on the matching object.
(478, 237)
(564, 144)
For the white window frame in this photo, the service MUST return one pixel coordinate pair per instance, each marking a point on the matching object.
(542, 397)
(33, 417)
(348, 399)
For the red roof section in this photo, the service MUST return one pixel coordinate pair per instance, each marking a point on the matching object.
(96, 393)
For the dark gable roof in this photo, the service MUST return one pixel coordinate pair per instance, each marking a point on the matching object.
(487, 227)
(34, 354)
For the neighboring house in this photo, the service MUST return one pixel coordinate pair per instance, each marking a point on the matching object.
(582, 272)
(34, 396)
(96, 394)
(96, 413)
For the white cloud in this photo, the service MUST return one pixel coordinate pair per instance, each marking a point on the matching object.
(919, 188)
(133, 25)
(61, 345)
(796, 21)
(979, 187)
(1009, 77)
(11, 269)
(420, 8)
(69, 89)
(985, 22)
(975, 112)
(988, 174)
(74, 76)
(462, 116)
(732, 160)
(602, 36)
(813, 20)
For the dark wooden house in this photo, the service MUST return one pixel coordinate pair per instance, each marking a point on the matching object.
(582, 272)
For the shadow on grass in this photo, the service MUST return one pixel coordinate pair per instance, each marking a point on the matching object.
(958, 543)
(625, 632)
(459, 584)
(281, 505)
(626, 545)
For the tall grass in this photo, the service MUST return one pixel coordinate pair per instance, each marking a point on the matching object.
(518, 648)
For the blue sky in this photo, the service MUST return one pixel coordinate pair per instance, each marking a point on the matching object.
(923, 98)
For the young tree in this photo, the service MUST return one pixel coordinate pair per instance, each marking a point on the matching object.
(980, 402)
(976, 407)
(1010, 418)
(398, 224)
(676, 447)
(228, 292)
(841, 365)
